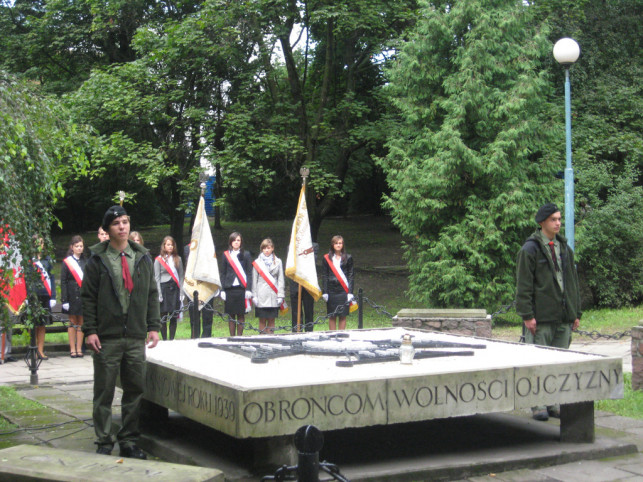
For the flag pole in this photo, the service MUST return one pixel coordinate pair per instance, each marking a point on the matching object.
(304, 172)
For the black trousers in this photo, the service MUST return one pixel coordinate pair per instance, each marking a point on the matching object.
(206, 319)
(307, 307)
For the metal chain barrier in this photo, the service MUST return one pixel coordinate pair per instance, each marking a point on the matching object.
(594, 335)
(247, 325)
(379, 309)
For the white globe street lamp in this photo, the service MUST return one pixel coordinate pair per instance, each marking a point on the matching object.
(566, 52)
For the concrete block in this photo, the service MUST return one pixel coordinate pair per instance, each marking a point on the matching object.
(441, 313)
(30, 462)
(577, 422)
(548, 384)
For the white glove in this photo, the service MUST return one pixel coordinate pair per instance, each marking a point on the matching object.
(325, 297)
(350, 296)
(52, 303)
(280, 301)
(66, 306)
(248, 295)
(255, 300)
(160, 298)
(222, 295)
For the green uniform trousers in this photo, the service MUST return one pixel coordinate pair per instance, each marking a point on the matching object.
(124, 357)
(557, 335)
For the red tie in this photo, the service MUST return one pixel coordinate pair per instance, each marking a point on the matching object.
(127, 277)
(553, 255)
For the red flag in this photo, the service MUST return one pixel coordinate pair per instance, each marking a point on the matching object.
(12, 281)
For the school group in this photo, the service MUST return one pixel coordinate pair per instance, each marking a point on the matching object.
(244, 282)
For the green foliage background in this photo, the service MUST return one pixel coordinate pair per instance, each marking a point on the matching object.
(450, 111)
(469, 154)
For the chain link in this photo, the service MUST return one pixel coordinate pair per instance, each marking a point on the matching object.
(247, 325)
(379, 309)
(594, 335)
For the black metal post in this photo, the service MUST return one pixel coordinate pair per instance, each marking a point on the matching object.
(195, 316)
(309, 440)
(32, 359)
(360, 308)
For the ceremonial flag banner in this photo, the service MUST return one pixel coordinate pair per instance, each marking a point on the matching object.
(300, 265)
(202, 270)
(12, 280)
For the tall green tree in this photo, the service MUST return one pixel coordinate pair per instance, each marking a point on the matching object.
(312, 102)
(160, 115)
(468, 162)
(607, 141)
(37, 140)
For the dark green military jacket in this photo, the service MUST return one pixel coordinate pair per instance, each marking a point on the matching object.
(102, 311)
(538, 294)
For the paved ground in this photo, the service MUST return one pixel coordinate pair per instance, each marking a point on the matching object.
(505, 447)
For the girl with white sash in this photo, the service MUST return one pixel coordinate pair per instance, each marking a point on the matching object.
(236, 283)
(337, 282)
(168, 272)
(71, 279)
(268, 286)
(43, 286)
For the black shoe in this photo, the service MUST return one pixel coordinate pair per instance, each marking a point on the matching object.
(9, 359)
(133, 452)
(103, 450)
(554, 411)
(540, 414)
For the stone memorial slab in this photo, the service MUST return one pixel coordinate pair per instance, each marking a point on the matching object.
(257, 386)
(30, 462)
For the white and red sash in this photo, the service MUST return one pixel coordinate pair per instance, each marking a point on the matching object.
(170, 269)
(44, 276)
(238, 270)
(272, 282)
(75, 269)
(341, 277)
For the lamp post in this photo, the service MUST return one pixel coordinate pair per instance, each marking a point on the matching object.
(566, 52)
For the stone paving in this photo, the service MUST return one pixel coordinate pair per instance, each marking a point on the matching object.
(65, 391)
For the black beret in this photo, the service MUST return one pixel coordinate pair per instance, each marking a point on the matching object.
(545, 211)
(111, 214)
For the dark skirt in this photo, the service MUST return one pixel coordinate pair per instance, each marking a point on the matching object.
(171, 297)
(266, 312)
(235, 301)
(336, 300)
(75, 304)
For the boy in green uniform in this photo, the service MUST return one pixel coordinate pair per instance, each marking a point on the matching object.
(547, 294)
(121, 313)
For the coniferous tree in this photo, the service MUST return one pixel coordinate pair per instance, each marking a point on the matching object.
(467, 164)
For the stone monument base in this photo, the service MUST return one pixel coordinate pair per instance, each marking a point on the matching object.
(264, 388)
(457, 322)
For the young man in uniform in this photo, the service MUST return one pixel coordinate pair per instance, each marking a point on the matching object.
(121, 317)
(547, 293)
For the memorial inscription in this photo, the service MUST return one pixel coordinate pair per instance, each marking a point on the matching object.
(272, 399)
